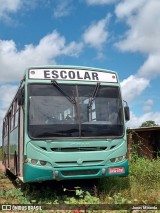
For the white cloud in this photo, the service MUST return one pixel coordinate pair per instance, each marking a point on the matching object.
(148, 106)
(132, 87)
(143, 19)
(9, 6)
(151, 68)
(128, 7)
(7, 91)
(46, 52)
(2, 114)
(73, 49)
(96, 34)
(100, 2)
(63, 8)
(137, 121)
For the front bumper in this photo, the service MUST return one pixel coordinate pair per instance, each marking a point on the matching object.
(34, 173)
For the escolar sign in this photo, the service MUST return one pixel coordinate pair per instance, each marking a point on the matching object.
(72, 74)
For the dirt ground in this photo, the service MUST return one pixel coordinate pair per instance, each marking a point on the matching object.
(5, 181)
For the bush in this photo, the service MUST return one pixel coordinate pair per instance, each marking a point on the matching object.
(145, 170)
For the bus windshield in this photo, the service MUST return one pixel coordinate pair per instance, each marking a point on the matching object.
(51, 114)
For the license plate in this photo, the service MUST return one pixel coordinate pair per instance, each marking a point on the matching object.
(116, 170)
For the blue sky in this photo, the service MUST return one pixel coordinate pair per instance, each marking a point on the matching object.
(120, 35)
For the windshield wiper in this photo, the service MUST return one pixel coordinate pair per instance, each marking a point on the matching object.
(72, 100)
(91, 99)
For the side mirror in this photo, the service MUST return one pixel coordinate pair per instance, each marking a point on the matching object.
(127, 113)
(20, 97)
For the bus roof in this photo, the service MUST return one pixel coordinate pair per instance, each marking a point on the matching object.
(70, 67)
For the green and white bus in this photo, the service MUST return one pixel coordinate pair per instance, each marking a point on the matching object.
(66, 122)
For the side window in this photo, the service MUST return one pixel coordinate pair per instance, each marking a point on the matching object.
(12, 118)
(5, 127)
(20, 97)
(16, 113)
(16, 119)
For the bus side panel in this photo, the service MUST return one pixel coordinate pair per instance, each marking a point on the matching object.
(5, 152)
(13, 149)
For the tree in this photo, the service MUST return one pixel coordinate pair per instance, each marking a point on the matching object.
(148, 124)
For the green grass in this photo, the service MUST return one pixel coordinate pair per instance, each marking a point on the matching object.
(142, 186)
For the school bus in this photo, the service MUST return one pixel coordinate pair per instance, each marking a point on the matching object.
(66, 122)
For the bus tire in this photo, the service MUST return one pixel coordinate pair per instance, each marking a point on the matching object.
(15, 164)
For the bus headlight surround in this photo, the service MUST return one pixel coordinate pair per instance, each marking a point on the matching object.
(39, 162)
(117, 159)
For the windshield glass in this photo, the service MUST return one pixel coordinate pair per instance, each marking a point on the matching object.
(51, 114)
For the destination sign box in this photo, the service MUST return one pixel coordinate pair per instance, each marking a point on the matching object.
(72, 75)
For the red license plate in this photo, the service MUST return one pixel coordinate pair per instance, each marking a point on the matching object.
(116, 170)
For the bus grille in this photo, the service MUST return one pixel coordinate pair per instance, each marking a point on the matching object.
(78, 149)
(74, 163)
(80, 172)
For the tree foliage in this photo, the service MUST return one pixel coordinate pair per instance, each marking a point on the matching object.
(149, 123)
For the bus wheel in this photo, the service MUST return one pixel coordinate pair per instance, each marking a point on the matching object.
(15, 164)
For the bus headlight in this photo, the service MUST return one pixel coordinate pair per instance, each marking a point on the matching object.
(34, 161)
(113, 160)
(42, 162)
(120, 158)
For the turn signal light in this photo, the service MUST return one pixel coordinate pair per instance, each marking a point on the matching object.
(26, 160)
